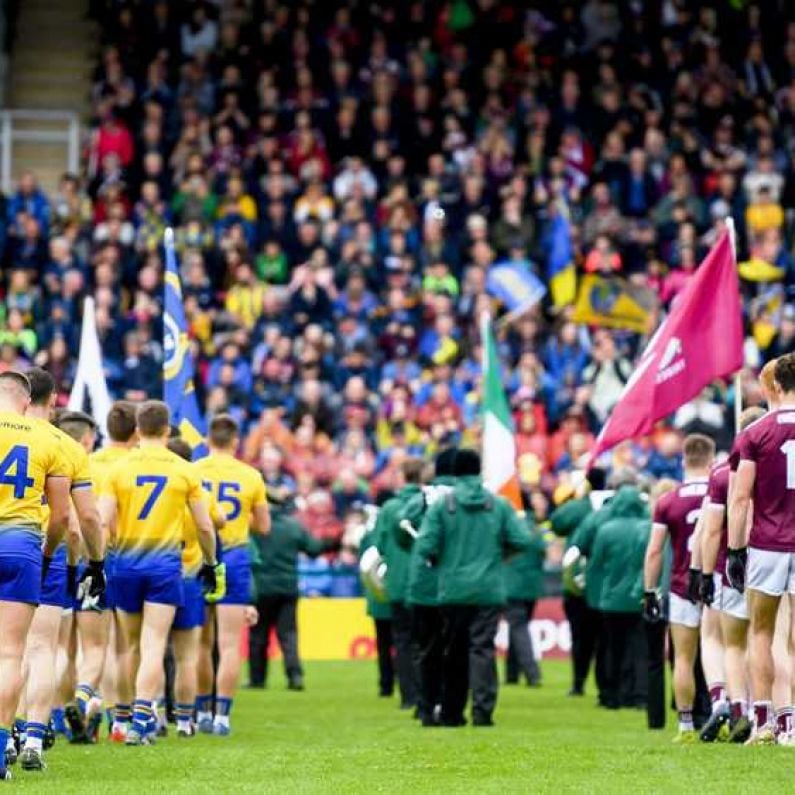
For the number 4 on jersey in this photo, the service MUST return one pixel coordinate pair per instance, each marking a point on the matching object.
(16, 460)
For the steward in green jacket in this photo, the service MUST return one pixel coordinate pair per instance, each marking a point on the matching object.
(467, 535)
(423, 589)
(274, 566)
(396, 556)
(616, 559)
(524, 585)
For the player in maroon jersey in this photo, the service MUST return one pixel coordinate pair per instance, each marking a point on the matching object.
(675, 516)
(764, 561)
(717, 592)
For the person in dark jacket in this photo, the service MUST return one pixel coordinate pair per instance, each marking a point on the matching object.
(617, 552)
(381, 613)
(524, 575)
(423, 591)
(396, 558)
(467, 535)
(274, 565)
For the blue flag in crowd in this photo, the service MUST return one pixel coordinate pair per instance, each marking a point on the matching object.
(515, 285)
(178, 359)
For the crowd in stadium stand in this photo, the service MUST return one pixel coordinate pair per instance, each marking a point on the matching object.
(342, 175)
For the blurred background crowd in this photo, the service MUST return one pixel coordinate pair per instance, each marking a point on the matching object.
(342, 175)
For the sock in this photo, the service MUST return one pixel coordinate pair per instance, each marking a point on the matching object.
(763, 712)
(686, 719)
(204, 703)
(784, 720)
(141, 715)
(122, 716)
(184, 714)
(738, 709)
(160, 712)
(223, 706)
(717, 695)
(35, 738)
(58, 720)
(5, 736)
(84, 694)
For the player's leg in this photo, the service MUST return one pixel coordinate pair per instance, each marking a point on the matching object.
(92, 631)
(206, 674)
(15, 621)
(155, 623)
(123, 677)
(685, 641)
(186, 656)
(40, 686)
(782, 670)
(231, 619)
(763, 608)
(735, 639)
(65, 661)
(712, 661)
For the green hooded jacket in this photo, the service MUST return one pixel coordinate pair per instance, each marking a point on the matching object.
(470, 542)
(583, 538)
(423, 586)
(375, 609)
(524, 573)
(566, 518)
(274, 557)
(396, 556)
(618, 551)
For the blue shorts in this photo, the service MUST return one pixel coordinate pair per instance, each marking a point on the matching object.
(191, 614)
(133, 586)
(238, 576)
(20, 565)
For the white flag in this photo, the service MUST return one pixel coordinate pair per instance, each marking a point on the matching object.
(89, 374)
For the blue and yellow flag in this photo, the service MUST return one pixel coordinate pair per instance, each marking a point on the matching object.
(612, 302)
(178, 366)
(561, 272)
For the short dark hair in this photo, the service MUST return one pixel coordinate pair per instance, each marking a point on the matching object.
(223, 430)
(412, 469)
(699, 450)
(785, 372)
(75, 424)
(18, 379)
(42, 386)
(445, 462)
(467, 462)
(121, 421)
(153, 418)
(181, 448)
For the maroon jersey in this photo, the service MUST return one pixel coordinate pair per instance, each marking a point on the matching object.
(770, 444)
(678, 511)
(718, 491)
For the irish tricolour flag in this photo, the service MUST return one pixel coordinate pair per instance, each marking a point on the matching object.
(499, 446)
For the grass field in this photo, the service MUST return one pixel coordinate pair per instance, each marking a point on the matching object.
(337, 737)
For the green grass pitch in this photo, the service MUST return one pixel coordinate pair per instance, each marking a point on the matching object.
(338, 737)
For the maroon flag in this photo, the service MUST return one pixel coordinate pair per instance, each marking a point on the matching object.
(699, 341)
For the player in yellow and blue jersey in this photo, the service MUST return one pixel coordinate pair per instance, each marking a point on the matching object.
(31, 468)
(93, 621)
(190, 618)
(240, 491)
(60, 582)
(143, 508)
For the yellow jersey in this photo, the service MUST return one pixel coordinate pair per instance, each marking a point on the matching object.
(100, 463)
(30, 451)
(238, 489)
(192, 555)
(152, 487)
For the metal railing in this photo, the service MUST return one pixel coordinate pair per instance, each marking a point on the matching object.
(57, 127)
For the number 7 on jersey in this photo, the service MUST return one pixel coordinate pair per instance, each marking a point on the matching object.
(158, 483)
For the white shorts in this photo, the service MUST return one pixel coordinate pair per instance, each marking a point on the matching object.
(684, 612)
(771, 572)
(729, 600)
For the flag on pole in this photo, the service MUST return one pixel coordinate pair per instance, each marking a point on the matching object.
(178, 366)
(561, 273)
(516, 286)
(699, 341)
(613, 302)
(499, 445)
(90, 378)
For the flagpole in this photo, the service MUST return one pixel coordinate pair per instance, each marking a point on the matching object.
(738, 383)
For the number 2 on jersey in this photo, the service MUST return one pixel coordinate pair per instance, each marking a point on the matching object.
(17, 458)
(158, 483)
